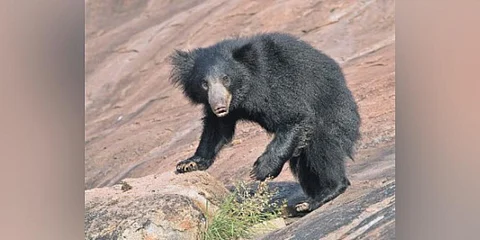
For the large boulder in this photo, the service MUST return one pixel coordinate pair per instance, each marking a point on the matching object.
(165, 206)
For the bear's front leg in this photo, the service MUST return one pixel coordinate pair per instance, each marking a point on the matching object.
(285, 145)
(216, 133)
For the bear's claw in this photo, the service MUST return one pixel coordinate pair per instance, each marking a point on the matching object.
(302, 207)
(187, 166)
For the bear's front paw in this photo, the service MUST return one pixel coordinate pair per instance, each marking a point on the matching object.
(192, 164)
(186, 166)
(263, 169)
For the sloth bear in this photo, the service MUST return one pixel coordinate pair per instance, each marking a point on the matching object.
(290, 89)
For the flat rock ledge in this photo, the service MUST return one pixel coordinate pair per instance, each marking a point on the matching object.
(166, 206)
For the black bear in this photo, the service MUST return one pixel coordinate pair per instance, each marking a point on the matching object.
(290, 89)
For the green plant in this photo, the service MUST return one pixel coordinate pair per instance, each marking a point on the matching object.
(241, 210)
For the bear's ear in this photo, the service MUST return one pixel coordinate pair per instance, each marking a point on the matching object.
(182, 63)
(247, 55)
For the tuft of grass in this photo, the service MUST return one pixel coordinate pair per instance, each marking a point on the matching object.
(241, 210)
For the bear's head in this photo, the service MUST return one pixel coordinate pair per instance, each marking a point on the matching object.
(218, 76)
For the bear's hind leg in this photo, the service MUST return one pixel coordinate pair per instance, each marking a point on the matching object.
(322, 177)
(313, 203)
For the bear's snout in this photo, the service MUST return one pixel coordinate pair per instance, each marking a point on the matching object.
(219, 99)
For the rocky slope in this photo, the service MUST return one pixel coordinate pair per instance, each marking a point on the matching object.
(137, 124)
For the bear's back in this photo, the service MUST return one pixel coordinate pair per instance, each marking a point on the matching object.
(295, 65)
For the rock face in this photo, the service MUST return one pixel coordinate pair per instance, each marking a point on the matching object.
(137, 124)
(165, 206)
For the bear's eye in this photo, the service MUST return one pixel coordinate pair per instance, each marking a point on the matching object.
(204, 85)
(226, 80)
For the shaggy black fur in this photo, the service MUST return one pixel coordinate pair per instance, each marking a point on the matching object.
(293, 91)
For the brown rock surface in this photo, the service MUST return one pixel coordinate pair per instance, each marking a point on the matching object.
(162, 206)
(138, 124)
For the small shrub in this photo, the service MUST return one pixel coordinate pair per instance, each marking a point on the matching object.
(241, 210)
